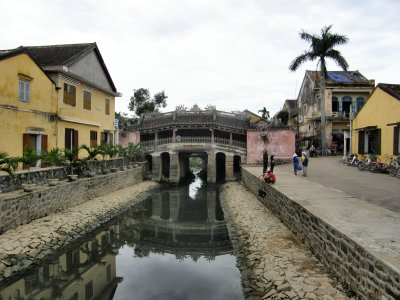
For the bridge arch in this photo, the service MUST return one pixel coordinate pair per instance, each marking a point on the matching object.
(220, 163)
(149, 159)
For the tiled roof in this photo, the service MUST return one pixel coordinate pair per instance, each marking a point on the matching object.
(341, 77)
(57, 55)
(391, 89)
(203, 119)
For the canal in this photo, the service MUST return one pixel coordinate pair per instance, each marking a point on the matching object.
(173, 245)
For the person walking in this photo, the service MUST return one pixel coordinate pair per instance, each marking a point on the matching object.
(271, 163)
(305, 164)
(296, 165)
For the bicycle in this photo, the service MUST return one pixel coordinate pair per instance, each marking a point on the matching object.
(367, 163)
(352, 160)
(394, 167)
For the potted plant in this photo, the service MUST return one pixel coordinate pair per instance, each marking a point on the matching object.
(72, 159)
(29, 158)
(103, 151)
(134, 153)
(112, 152)
(8, 164)
(91, 158)
(54, 157)
(122, 153)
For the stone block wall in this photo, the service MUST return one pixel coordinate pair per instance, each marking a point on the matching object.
(358, 269)
(17, 208)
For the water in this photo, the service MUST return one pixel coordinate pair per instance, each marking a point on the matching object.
(174, 245)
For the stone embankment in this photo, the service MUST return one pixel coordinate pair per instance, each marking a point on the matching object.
(29, 243)
(273, 263)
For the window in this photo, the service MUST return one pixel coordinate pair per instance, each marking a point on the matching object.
(69, 94)
(71, 138)
(24, 90)
(93, 139)
(346, 100)
(87, 100)
(107, 106)
(396, 140)
(335, 104)
(72, 260)
(359, 103)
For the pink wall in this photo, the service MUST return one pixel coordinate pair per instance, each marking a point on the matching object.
(126, 137)
(281, 143)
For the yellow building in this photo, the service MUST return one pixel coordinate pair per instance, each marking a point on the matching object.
(86, 93)
(28, 104)
(67, 95)
(376, 126)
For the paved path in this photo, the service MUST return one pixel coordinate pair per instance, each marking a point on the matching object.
(273, 263)
(350, 201)
(377, 188)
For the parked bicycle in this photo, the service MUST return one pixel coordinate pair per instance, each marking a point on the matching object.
(367, 163)
(352, 160)
(394, 167)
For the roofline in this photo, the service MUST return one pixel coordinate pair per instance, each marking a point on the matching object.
(22, 50)
(389, 91)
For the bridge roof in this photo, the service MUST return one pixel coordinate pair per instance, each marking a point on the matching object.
(185, 119)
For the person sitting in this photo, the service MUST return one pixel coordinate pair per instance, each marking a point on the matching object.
(269, 177)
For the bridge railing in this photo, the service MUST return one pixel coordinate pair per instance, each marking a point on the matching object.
(194, 140)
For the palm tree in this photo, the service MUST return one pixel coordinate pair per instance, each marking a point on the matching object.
(264, 113)
(321, 48)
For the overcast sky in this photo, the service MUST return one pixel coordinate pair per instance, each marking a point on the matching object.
(230, 53)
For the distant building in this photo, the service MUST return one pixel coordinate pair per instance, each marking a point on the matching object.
(290, 106)
(60, 95)
(376, 125)
(344, 89)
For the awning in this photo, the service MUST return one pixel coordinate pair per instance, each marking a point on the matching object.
(393, 124)
(366, 128)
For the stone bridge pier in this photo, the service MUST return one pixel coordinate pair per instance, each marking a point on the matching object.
(174, 166)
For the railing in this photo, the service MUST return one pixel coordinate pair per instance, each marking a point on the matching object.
(193, 139)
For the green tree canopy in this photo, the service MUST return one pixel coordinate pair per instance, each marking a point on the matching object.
(141, 101)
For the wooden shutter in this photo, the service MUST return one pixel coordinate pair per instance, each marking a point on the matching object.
(111, 139)
(361, 134)
(67, 138)
(396, 140)
(44, 142)
(378, 141)
(76, 139)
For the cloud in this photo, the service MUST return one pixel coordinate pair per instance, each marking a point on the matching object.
(232, 53)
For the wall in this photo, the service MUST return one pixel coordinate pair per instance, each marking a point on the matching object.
(19, 208)
(356, 268)
(280, 142)
(379, 110)
(17, 116)
(128, 136)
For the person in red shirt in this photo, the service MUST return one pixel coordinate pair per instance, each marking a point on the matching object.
(269, 177)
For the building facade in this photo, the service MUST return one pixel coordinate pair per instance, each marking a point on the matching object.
(68, 85)
(345, 91)
(376, 125)
(28, 104)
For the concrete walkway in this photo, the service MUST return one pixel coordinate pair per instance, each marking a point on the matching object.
(361, 205)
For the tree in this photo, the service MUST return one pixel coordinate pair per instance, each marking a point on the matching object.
(283, 116)
(124, 120)
(141, 102)
(264, 113)
(321, 48)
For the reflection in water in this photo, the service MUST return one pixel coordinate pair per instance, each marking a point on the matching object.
(167, 247)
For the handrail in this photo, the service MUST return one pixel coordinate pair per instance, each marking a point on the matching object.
(193, 139)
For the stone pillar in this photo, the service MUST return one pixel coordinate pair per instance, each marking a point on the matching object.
(174, 198)
(174, 169)
(157, 170)
(212, 136)
(230, 138)
(229, 176)
(173, 135)
(156, 139)
(183, 166)
(211, 167)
